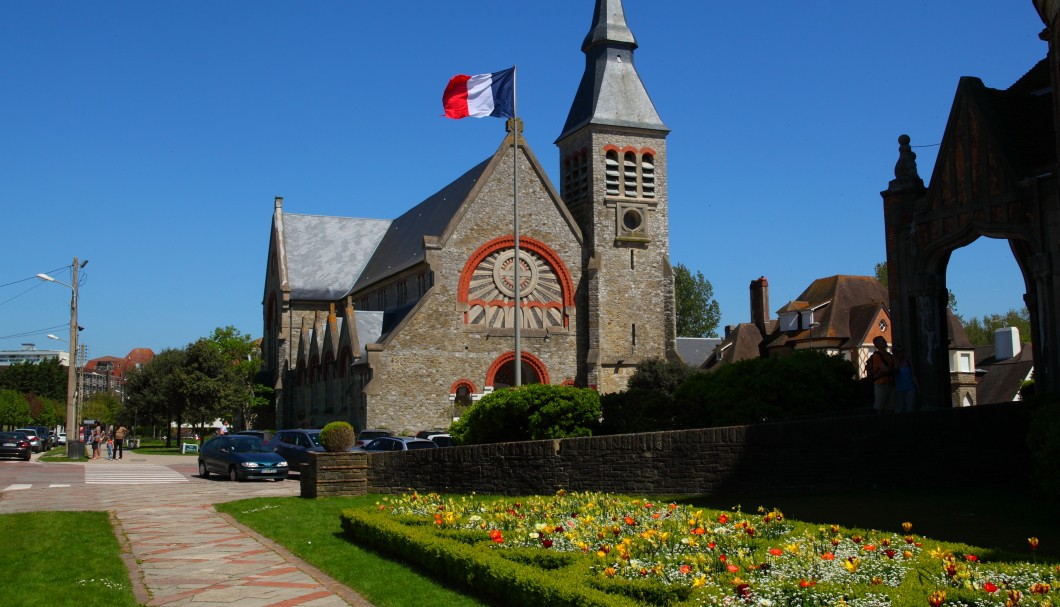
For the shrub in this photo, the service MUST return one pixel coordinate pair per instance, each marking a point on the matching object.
(760, 389)
(337, 436)
(658, 375)
(532, 412)
(637, 410)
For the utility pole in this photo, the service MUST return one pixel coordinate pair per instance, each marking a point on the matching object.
(73, 447)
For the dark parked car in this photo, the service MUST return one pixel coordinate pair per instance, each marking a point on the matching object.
(240, 458)
(365, 436)
(398, 443)
(294, 445)
(15, 444)
(264, 435)
(46, 436)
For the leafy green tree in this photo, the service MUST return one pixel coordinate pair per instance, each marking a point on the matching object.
(755, 390)
(981, 330)
(658, 375)
(154, 391)
(46, 378)
(698, 314)
(45, 411)
(103, 407)
(531, 412)
(14, 409)
(648, 404)
(245, 358)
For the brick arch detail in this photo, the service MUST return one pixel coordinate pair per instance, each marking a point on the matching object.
(463, 382)
(536, 363)
(525, 244)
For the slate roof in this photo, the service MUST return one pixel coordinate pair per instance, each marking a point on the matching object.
(839, 305)
(695, 350)
(999, 381)
(325, 255)
(611, 91)
(402, 244)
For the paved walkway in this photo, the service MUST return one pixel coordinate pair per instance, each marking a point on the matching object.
(179, 550)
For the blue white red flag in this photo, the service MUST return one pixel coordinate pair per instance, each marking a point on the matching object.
(481, 95)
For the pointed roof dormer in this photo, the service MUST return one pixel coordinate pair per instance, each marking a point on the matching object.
(611, 92)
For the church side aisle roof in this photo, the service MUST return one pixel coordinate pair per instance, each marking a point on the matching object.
(325, 255)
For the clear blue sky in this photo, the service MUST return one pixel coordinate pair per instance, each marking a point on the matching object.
(151, 137)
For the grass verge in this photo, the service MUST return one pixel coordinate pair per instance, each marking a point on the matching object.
(310, 529)
(55, 558)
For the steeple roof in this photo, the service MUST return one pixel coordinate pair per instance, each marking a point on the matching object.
(611, 92)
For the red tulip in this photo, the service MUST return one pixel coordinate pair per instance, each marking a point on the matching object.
(990, 587)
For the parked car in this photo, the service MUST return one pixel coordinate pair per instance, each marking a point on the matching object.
(294, 445)
(35, 440)
(398, 443)
(62, 438)
(366, 436)
(264, 435)
(47, 442)
(442, 439)
(240, 458)
(15, 444)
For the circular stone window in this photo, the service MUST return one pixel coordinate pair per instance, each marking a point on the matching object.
(632, 220)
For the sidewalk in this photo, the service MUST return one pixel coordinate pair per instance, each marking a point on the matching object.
(180, 551)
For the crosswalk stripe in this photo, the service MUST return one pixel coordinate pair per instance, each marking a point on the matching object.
(16, 487)
(133, 475)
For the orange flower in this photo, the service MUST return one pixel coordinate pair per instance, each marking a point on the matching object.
(807, 583)
(937, 598)
(869, 547)
(1040, 588)
(1033, 543)
(876, 580)
(685, 569)
(723, 519)
(907, 526)
(971, 558)
(776, 551)
(732, 568)
(828, 556)
(630, 520)
(610, 572)
(496, 536)
(990, 587)
(856, 539)
(699, 531)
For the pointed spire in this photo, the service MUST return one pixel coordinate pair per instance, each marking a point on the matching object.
(609, 25)
(611, 92)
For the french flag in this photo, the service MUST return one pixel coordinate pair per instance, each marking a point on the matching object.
(481, 95)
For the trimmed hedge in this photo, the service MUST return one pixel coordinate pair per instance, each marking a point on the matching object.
(496, 575)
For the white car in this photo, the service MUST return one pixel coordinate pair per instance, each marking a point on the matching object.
(62, 438)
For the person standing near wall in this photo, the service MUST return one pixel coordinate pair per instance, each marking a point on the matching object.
(881, 370)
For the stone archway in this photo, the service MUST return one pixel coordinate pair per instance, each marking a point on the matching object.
(975, 191)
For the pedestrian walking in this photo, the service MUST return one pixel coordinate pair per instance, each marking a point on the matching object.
(96, 436)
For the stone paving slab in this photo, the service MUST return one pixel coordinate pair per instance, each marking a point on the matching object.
(180, 551)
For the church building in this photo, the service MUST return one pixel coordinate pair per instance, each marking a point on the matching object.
(403, 323)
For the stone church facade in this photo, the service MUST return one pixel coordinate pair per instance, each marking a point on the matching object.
(404, 323)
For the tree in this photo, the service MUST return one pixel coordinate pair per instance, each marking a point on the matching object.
(154, 390)
(46, 378)
(103, 407)
(530, 412)
(981, 331)
(245, 358)
(14, 409)
(698, 314)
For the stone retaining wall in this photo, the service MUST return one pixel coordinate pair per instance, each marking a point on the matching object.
(948, 447)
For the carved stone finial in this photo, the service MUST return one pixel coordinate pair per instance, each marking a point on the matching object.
(514, 124)
(905, 173)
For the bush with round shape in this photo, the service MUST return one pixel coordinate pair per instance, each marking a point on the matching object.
(531, 412)
(337, 436)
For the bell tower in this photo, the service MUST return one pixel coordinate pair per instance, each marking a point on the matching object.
(613, 180)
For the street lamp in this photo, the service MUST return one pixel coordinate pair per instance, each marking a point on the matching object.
(73, 447)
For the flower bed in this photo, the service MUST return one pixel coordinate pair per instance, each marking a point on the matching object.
(600, 549)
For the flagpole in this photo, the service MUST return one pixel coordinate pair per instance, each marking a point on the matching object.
(515, 227)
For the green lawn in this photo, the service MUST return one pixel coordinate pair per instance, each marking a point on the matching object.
(310, 529)
(62, 558)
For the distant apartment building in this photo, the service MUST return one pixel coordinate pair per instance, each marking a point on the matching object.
(29, 353)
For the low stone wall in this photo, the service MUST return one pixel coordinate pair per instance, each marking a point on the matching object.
(948, 447)
(331, 474)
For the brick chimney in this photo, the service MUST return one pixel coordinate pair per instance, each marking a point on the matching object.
(760, 303)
